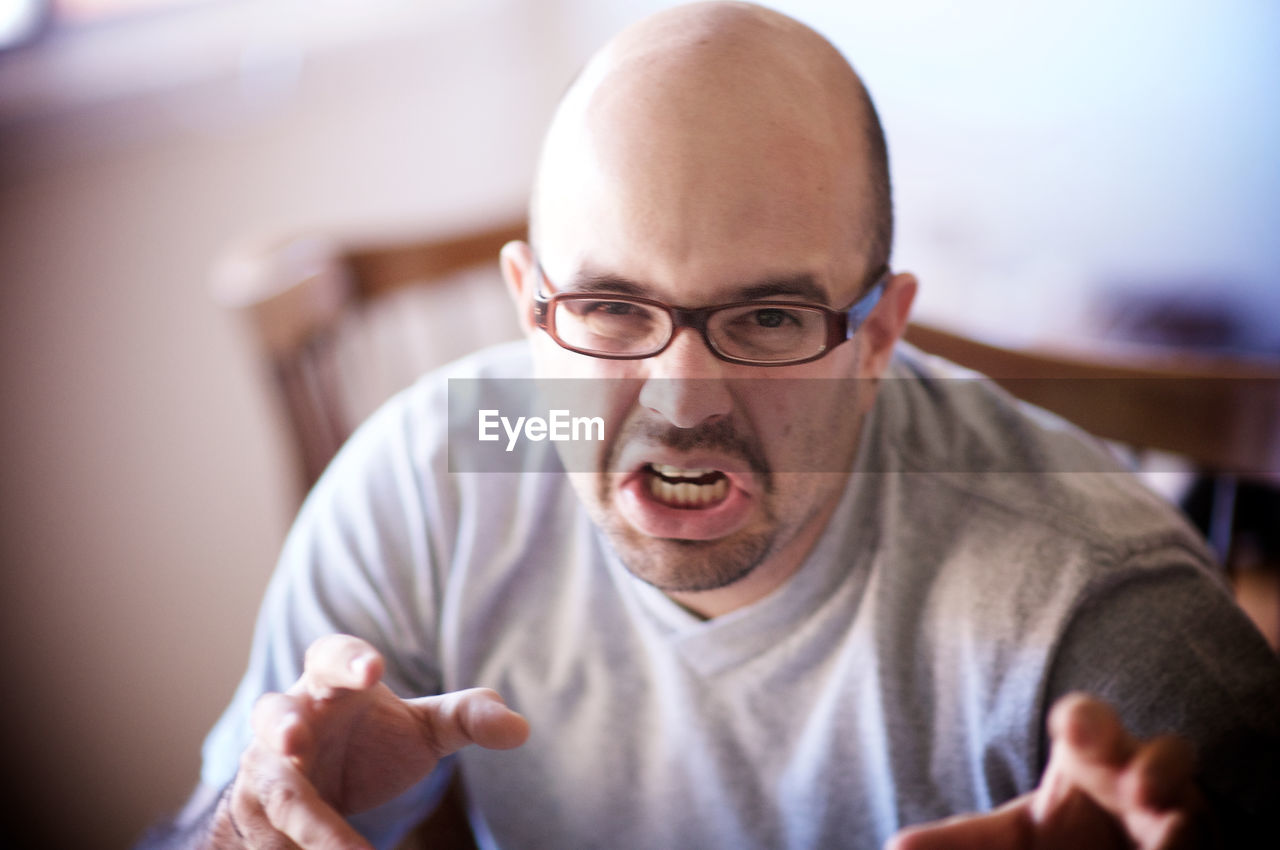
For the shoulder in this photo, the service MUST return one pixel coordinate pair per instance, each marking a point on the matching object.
(998, 522)
(1031, 473)
(1004, 535)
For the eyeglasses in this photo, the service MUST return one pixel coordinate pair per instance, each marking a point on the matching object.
(752, 333)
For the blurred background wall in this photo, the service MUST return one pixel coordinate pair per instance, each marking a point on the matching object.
(1058, 155)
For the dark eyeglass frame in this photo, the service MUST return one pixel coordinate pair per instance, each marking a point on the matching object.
(841, 324)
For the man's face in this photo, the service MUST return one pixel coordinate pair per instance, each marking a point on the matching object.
(711, 472)
(709, 469)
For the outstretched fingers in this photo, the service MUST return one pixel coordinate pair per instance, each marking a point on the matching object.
(475, 716)
(1006, 828)
(1147, 786)
(1101, 789)
(1091, 748)
(1091, 728)
(272, 803)
(1160, 774)
(338, 663)
(339, 740)
(1163, 807)
(272, 800)
(279, 724)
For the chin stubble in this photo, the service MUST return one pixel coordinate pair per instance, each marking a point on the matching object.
(687, 566)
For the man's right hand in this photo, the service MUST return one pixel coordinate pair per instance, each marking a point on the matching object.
(339, 741)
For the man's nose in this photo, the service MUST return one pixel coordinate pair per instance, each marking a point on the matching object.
(685, 383)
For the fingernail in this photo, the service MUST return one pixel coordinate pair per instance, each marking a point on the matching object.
(360, 664)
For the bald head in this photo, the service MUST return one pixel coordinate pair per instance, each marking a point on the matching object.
(709, 123)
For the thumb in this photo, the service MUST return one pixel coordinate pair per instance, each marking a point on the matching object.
(1007, 828)
(474, 716)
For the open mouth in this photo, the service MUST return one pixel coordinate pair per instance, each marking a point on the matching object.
(671, 495)
(686, 489)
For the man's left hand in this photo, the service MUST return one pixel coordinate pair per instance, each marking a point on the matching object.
(1101, 789)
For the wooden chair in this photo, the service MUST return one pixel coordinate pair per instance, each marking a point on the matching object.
(305, 298)
(1220, 413)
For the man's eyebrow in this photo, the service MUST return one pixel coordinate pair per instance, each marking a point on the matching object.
(802, 286)
(596, 282)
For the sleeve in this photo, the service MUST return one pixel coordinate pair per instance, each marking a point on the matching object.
(364, 557)
(1170, 649)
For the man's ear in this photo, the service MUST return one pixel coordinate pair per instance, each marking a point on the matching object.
(886, 324)
(516, 260)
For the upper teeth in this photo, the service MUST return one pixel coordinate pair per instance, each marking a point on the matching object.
(677, 472)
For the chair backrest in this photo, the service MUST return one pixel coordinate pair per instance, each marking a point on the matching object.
(1221, 413)
(323, 308)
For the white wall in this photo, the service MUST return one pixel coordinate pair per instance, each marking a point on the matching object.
(1074, 146)
(145, 487)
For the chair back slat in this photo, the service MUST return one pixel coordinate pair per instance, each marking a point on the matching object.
(303, 296)
(384, 266)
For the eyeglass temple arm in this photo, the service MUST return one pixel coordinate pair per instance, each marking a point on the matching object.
(860, 309)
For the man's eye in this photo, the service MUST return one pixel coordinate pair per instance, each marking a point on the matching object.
(773, 318)
(603, 309)
(615, 308)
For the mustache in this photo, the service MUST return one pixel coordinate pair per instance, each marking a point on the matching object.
(721, 436)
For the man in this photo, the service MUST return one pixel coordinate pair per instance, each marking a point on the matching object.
(786, 603)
